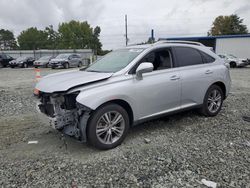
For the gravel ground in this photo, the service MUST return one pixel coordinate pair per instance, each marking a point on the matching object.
(176, 151)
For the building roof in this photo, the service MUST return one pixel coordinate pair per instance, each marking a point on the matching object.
(206, 37)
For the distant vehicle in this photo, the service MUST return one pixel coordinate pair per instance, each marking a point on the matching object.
(130, 86)
(66, 61)
(234, 61)
(42, 61)
(23, 62)
(5, 59)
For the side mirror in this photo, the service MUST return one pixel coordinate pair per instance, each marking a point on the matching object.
(143, 68)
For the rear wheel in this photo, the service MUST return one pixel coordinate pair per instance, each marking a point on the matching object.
(233, 64)
(66, 65)
(108, 126)
(212, 101)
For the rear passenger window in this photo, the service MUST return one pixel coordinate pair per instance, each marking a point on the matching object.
(207, 58)
(188, 56)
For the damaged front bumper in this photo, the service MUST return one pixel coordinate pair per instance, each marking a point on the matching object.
(65, 114)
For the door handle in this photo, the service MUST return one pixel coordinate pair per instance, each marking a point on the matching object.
(174, 77)
(208, 72)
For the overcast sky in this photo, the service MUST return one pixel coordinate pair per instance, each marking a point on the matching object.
(168, 18)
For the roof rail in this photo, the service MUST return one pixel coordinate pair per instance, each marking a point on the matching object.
(179, 42)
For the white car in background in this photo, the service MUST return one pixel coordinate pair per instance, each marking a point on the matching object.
(234, 61)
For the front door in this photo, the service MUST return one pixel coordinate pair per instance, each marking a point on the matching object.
(159, 91)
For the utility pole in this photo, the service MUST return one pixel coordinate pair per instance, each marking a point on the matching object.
(152, 36)
(126, 29)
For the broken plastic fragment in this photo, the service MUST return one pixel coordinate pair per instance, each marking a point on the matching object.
(209, 183)
(33, 142)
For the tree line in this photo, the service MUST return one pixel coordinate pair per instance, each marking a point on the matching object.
(70, 35)
(80, 35)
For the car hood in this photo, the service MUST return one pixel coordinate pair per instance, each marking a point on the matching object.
(64, 81)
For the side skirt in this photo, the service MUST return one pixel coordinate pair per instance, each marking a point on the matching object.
(166, 114)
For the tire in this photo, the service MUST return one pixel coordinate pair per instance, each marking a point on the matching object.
(98, 120)
(80, 64)
(66, 65)
(233, 65)
(12, 67)
(52, 67)
(213, 101)
(36, 67)
(46, 65)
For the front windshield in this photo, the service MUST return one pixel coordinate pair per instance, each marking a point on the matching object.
(45, 58)
(114, 61)
(21, 58)
(62, 56)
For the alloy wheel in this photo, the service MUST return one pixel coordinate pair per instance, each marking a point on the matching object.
(110, 127)
(214, 101)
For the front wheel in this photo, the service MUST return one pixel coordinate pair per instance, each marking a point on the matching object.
(212, 101)
(108, 126)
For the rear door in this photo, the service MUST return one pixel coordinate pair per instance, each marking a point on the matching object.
(195, 75)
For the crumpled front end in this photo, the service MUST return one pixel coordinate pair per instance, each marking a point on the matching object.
(65, 114)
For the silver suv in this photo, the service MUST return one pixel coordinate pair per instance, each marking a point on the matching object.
(131, 86)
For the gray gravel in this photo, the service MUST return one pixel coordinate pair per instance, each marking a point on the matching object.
(176, 151)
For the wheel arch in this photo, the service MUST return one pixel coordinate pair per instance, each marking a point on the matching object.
(222, 86)
(124, 104)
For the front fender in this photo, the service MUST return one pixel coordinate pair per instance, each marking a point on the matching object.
(93, 98)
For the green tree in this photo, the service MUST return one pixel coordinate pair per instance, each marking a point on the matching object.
(79, 35)
(52, 37)
(7, 40)
(228, 25)
(32, 39)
